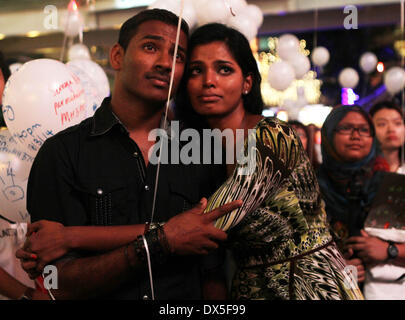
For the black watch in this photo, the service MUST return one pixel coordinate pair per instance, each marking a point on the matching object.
(392, 250)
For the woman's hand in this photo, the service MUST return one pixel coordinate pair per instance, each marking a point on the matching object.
(46, 241)
(371, 250)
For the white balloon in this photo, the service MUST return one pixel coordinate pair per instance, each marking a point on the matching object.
(288, 46)
(244, 24)
(93, 96)
(72, 23)
(15, 165)
(237, 6)
(320, 56)
(394, 80)
(78, 51)
(189, 13)
(41, 99)
(169, 5)
(14, 67)
(301, 65)
(368, 62)
(348, 78)
(212, 11)
(255, 13)
(281, 75)
(96, 74)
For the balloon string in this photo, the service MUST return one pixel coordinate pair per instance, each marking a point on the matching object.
(167, 106)
(62, 54)
(230, 7)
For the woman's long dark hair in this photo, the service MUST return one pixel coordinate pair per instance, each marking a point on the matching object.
(239, 47)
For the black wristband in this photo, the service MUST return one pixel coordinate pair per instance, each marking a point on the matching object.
(157, 247)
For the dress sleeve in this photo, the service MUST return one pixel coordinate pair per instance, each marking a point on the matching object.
(272, 152)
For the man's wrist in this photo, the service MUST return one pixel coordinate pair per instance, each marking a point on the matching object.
(71, 240)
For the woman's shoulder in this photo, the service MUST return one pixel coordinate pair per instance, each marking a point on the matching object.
(275, 127)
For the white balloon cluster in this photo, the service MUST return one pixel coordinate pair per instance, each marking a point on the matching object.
(36, 108)
(293, 64)
(15, 165)
(247, 18)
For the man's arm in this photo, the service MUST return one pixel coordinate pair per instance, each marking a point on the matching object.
(190, 232)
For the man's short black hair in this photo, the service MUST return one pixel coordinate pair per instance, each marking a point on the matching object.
(129, 28)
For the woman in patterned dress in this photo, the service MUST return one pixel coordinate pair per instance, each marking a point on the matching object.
(280, 236)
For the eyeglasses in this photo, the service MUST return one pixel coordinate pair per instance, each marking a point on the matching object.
(349, 130)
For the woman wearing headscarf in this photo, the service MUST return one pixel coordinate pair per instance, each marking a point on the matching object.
(349, 178)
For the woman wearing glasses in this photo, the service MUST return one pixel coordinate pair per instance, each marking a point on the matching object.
(349, 178)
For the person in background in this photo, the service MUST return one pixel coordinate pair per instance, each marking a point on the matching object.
(306, 136)
(390, 131)
(349, 178)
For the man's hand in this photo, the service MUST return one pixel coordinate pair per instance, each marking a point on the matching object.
(193, 232)
(46, 241)
(369, 249)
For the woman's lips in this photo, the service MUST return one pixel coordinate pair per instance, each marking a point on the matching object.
(354, 147)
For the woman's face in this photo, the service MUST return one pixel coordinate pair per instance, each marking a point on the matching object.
(352, 139)
(389, 128)
(216, 83)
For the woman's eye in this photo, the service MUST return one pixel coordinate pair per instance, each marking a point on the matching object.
(225, 70)
(194, 71)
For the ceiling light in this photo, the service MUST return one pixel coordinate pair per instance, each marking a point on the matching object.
(33, 34)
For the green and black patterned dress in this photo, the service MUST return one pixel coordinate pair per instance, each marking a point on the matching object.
(280, 237)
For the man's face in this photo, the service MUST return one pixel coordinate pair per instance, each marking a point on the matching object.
(147, 62)
(1, 86)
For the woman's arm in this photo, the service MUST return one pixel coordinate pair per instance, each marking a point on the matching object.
(272, 151)
(51, 240)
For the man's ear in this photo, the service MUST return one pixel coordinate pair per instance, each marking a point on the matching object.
(117, 57)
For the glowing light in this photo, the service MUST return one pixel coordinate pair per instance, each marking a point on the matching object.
(2, 36)
(380, 67)
(349, 97)
(72, 6)
(314, 114)
(33, 34)
(282, 115)
(125, 4)
(268, 113)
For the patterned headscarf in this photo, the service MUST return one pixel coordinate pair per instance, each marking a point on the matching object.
(348, 188)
